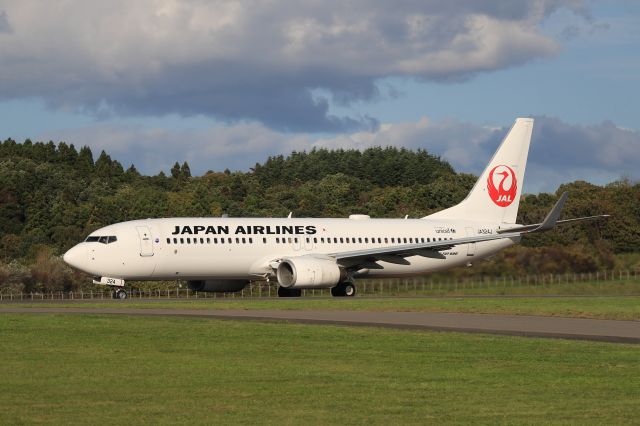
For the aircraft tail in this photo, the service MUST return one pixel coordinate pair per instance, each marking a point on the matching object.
(496, 194)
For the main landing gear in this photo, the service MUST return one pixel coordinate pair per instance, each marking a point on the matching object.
(289, 292)
(119, 294)
(344, 289)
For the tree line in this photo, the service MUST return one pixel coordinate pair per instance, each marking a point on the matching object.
(53, 195)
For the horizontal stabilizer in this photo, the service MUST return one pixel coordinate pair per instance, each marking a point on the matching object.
(551, 220)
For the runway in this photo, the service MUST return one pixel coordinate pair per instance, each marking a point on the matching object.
(515, 325)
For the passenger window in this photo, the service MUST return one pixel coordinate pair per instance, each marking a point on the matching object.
(195, 241)
(386, 240)
(222, 240)
(315, 240)
(181, 240)
(295, 240)
(341, 240)
(188, 240)
(264, 240)
(366, 240)
(244, 241)
(208, 240)
(168, 240)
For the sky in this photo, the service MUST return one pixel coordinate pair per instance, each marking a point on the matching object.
(225, 84)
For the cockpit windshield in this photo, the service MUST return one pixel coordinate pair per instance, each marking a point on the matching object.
(105, 239)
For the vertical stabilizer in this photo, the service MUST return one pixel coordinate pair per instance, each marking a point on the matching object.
(496, 194)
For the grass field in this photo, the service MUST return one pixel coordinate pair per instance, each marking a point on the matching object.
(622, 308)
(92, 369)
(553, 285)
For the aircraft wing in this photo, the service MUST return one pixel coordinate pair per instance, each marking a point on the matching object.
(397, 254)
(366, 258)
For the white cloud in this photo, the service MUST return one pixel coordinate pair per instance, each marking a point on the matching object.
(559, 153)
(256, 60)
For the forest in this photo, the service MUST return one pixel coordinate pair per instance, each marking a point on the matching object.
(53, 195)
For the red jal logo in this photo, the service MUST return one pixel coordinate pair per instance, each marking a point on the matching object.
(505, 192)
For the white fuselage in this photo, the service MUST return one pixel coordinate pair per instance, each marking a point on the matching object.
(245, 248)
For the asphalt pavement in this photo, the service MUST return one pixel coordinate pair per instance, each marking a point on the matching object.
(516, 325)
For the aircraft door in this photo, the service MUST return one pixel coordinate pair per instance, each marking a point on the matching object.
(471, 247)
(146, 244)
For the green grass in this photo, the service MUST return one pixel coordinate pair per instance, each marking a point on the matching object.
(94, 369)
(546, 285)
(622, 308)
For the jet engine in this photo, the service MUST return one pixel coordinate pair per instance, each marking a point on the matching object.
(217, 286)
(308, 272)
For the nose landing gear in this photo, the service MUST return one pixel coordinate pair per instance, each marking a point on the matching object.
(120, 294)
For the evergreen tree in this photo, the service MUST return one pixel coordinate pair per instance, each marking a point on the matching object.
(175, 171)
(84, 162)
(103, 165)
(185, 171)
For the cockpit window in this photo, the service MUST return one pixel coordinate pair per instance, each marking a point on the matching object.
(105, 239)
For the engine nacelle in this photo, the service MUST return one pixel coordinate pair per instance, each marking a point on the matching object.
(308, 272)
(217, 286)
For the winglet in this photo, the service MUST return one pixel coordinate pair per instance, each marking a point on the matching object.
(552, 217)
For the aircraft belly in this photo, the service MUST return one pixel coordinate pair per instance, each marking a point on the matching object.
(227, 266)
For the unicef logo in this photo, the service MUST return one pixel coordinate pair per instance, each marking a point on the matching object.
(502, 185)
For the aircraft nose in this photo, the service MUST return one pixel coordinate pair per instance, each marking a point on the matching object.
(73, 257)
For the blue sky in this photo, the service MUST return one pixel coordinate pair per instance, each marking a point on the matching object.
(221, 85)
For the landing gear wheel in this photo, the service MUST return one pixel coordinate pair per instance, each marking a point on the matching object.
(349, 290)
(289, 292)
(346, 289)
(120, 294)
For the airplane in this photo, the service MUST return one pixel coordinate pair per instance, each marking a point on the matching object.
(223, 254)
